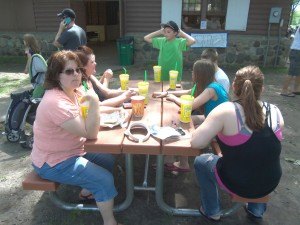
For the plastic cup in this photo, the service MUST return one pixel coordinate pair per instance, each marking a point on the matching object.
(138, 104)
(186, 108)
(173, 79)
(157, 73)
(143, 87)
(84, 107)
(124, 79)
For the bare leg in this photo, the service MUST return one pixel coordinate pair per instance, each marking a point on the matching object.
(169, 159)
(297, 84)
(183, 162)
(216, 148)
(106, 210)
(286, 84)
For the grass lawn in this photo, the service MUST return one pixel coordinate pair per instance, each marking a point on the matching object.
(9, 83)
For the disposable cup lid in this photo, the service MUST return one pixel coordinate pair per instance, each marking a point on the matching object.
(187, 97)
(137, 98)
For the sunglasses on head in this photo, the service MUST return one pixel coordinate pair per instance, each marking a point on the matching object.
(72, 71)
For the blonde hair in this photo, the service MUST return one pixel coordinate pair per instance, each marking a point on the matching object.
(248, 84)
(31, 42)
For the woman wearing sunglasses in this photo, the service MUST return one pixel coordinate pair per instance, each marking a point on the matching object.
(60, 132)
(108, 97)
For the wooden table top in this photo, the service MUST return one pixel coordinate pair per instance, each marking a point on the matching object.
(158, 111)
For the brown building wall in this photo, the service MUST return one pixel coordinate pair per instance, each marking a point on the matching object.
(141, 15)
(45, 12)
(145, 16)
(258, 18)
(138, 16)
(16, 15)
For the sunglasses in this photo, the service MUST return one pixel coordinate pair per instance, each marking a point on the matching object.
(72, 71)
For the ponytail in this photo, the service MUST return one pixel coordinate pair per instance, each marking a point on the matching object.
(248, 85)
(252, 109)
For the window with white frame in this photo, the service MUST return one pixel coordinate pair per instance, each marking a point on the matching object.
(211, 15)
(213, 12)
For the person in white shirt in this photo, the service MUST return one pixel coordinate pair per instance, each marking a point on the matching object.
(294, 69)
(220, 76)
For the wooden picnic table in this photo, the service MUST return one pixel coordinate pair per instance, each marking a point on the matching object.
(112, 140)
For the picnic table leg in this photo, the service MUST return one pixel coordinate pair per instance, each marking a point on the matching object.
(145, 183)
(159, 193)
(129, 185)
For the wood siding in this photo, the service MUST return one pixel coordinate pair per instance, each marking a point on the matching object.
(136, 15)
(258, 18)
(16, 15)
(45, 12)
(141, 15)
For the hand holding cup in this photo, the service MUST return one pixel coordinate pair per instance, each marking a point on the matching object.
(108, 74)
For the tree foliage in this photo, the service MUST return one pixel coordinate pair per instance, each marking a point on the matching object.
(294, 20)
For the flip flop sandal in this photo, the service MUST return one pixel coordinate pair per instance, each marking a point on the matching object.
(166, 165)
(287, 94)
(208, 217)
(181, 170)
(89, 197)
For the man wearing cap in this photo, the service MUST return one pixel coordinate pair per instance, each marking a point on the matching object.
(69, 35)
(170, 47)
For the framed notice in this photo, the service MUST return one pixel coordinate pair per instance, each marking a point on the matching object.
(203, 25)
(210, 40)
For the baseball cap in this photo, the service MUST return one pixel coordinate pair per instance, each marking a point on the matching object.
(67, 13)
(171, 24)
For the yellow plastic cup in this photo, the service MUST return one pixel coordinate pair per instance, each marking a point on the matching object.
(84, 107)
(173, 79)
(186, 108)
(157, 73)
(143, 87)
(124, 79)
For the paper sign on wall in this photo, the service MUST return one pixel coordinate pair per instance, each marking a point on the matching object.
(210, 40)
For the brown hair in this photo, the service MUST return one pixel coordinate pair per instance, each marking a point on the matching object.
(56, 64)
(248, 84)
(32, 43)
(211, 54)
(83, 54)
(204, 74)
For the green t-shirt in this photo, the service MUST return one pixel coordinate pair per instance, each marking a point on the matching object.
(170, 53)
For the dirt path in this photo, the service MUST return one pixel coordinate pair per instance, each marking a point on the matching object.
(34, 207)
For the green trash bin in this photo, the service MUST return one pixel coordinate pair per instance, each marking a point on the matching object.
(125, 47)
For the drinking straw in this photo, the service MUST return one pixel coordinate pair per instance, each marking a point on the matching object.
(176, 66)
(193, 90)
(125, 71)
(85, 86)
(145, 75)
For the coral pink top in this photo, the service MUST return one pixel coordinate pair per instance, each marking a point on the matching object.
(53, 144)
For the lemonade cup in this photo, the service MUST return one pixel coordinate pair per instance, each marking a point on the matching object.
(138, 104)
(186, 107)
(84, 108)
(173, 79)
(143, 87)
(157, 73)
(124, 79)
